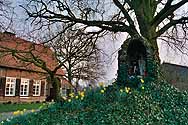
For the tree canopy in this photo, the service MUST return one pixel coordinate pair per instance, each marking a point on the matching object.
(155, 16)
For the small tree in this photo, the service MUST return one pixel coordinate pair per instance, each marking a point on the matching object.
(77, 53)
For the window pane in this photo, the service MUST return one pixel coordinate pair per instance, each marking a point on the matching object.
(11, 89)
(8, 79)
(21, 86)
(7, 89)
(7, 85)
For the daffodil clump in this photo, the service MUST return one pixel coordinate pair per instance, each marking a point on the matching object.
(73, 96)
(142, 84)
(102, 91)
(24, 111)
(127, 90)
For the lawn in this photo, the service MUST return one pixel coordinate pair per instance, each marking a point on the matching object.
(15, 107)
(153, 103)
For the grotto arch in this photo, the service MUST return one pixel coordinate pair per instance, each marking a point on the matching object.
(134, 59)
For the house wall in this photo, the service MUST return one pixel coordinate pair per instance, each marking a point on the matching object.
(18, 74)
(176, 75)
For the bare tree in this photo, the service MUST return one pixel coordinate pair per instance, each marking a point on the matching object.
(77, 53)
(146, 19)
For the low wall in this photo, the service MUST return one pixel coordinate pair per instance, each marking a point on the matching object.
(19, 99)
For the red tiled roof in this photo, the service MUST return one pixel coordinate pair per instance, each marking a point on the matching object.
(40, 51)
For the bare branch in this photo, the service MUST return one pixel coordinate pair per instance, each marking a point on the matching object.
(182, 21)
(166, 11)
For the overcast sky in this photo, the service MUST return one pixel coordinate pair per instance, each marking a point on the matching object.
(110, 46)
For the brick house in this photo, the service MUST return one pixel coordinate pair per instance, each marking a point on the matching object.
(22, 81)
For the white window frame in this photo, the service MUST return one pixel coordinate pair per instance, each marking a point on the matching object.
(24, 82)
(64, 90)
(12, 85)
(36, 83)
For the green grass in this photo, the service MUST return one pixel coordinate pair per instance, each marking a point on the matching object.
(15, 107)
(158, 103)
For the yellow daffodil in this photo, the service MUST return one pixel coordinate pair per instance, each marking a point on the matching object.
(64, 98)
(143, 87)
(32, 110)
(71, 95)
(24, 110)
(16, 112)
(69, 100)
(82, 94)
(82, 98)
(21, 112)
(101, 84)
(127, 89)
(102, 91)
(121, 90)
(76, 97)
(142, 81)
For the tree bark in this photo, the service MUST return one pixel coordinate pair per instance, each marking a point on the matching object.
(153, 59)
(56, 86)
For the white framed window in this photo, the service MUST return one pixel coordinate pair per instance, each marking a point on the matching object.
(10, 86)
(36, 87)
(24, 87)
(63, 92)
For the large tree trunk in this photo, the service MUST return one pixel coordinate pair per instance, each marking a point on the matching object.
(153, 59)
(56, 86)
